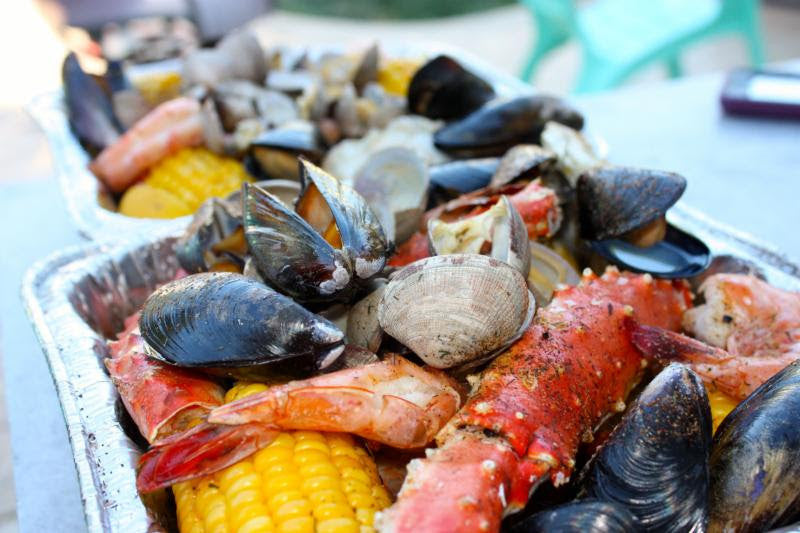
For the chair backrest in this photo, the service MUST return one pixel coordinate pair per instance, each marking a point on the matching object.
(557, 15)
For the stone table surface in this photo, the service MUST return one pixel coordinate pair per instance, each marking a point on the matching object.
(745, 172)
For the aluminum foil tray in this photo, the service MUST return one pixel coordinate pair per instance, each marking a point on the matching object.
(78, 298)
(84, 194)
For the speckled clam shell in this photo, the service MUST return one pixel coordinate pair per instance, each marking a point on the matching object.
(454, 309)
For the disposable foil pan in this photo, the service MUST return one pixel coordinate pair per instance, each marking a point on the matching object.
(84, 194)
(78, 298)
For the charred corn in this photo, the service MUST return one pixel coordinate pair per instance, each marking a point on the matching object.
(304, 481)
(180, 183)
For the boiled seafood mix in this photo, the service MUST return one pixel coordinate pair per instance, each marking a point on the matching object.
(408, 304)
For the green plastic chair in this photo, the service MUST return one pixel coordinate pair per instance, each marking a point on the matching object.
(619, 37)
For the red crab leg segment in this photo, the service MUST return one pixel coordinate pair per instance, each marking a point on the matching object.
(574, 365)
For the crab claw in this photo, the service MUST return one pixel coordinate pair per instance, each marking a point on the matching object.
(736, 376)
(393, 402)
(204, 449)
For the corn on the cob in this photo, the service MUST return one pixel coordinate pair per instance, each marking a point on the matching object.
(304, 481)
(394, 75)
(180, 183)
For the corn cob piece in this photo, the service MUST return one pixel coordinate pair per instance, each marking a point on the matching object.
(180, 183)
(304, 481)
(394, 75)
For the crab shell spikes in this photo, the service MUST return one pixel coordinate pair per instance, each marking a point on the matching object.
(323, 249)
(455, 310)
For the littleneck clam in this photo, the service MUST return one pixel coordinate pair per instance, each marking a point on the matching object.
(655, 462)
(455, 309)
(226, 323)
(443, 89)
(494, 128)
(500, 227)
(395, 183)
(755, 472)
(363, 328)
(322, 250)
(585, 516)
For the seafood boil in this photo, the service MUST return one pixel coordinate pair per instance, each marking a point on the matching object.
(403, 311)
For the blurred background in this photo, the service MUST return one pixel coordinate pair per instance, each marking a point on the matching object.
(562, 47)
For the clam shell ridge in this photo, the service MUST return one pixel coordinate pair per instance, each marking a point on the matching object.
(452, 309)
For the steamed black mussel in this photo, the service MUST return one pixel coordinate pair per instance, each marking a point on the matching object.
(324, 249)
(755, 471)
(443, 89)
(494, 128)
(274, 153)
(615, 201)
(214, 239)
(228, 324)
(89, 108)
(586, 516)
(655, 462)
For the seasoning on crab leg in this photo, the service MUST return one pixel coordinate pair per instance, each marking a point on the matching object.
(535, 403)
(161, 399)
(166, 129)
(393, 402)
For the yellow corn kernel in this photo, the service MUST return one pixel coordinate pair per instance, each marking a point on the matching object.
(721, 404)
(178, 184)
(303, 481)
(394, 75)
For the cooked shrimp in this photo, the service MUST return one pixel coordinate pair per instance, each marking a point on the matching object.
(393, 402)
(753, 330)
(166, 129)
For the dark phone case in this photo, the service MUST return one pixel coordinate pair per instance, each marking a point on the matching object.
(735, 100)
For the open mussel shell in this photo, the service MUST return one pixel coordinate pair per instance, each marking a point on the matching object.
(211, 240)
(586, 516)
(465, 175)
(525, 161)
(443, 89)
(493, 129)
(89, 109)
(677, 255)
(454, 309)
(613, 201)
(230, 324)
(655, 462)
(321, 251)
(755, 471)
(501, 228)
(395, 183)
(274, 153)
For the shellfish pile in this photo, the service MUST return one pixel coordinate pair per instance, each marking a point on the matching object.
(413, 279)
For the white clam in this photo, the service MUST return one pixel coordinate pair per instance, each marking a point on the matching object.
(453, 310)
(394, 181)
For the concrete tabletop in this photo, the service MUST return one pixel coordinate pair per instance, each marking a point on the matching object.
(745, 172)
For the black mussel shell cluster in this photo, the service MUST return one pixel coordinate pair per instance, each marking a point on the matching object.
(228, 324)
(321, 251)
(587, 516)
(443, 89)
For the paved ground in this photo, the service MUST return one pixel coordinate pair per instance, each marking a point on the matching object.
(500, 37)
